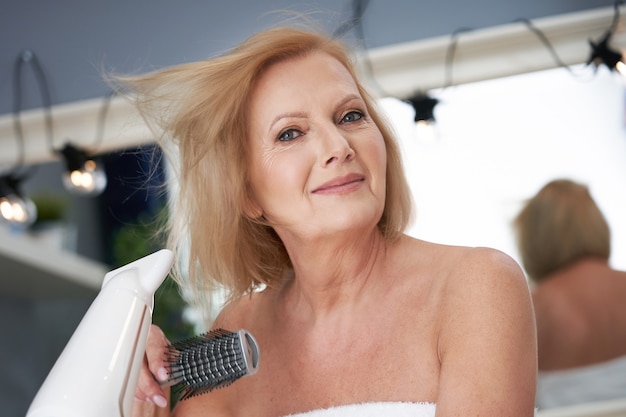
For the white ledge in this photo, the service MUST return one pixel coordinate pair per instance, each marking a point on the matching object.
(76, 122)
(610, 408)
(401, 70)
(404, 69)
(32, 269)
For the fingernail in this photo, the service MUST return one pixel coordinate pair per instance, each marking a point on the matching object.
(159, 400)
(162, 374)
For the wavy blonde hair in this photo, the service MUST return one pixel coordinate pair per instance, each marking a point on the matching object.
(559, 225)
(203, 107)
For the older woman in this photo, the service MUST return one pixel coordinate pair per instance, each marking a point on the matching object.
(292, 197)
(580, 300)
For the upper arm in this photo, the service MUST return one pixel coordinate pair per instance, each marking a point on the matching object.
(487, 342)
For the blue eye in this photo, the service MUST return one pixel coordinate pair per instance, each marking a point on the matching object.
(352, 116)
(288, 135)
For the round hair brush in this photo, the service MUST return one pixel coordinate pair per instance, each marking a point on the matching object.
(211, 360)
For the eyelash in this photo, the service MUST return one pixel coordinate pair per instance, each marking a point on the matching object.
(360, 115)
(285, 132)
(282, 136)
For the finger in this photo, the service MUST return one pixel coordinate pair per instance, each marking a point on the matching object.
(156, 346)
(148, 389)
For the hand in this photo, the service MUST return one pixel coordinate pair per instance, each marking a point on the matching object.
(153, 370)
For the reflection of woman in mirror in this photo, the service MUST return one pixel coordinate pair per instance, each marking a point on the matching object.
(580, 301)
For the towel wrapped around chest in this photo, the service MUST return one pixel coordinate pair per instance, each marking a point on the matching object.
(374, 409)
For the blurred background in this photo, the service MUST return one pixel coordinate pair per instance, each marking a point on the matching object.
(514, 102)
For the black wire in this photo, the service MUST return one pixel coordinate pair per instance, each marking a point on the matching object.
(106, 103)
(542, 37)
(356, 23)
(358, 9)
(17, 107)
(613, 26)
(28, 57)
(611, 30)
(449, 61)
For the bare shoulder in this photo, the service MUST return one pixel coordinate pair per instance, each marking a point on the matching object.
(488, 285)
(475, 287)
(241, 312)
(486, 332)
(461, 268)
(480, 272)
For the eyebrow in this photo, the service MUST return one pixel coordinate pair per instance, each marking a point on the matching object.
(283, 116)
(350, 97)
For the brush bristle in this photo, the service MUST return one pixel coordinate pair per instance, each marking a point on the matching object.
(206, 362)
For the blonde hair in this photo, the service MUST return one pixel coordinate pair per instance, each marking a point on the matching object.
(558, 226)
(203, 107)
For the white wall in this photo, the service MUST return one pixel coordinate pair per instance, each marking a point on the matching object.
(499, 141)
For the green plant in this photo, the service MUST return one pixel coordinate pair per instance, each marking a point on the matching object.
(50, 207)
(141, 238)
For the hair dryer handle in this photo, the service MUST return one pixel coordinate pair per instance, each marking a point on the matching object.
(96, 374)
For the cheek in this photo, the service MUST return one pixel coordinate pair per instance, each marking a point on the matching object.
(382, 153)
(377, 154)
(276, 175)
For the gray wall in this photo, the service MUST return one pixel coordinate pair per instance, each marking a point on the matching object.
(33, 336)
(76, 39)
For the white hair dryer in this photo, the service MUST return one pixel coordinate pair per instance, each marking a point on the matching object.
(97, 372)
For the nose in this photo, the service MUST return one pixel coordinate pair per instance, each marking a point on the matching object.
(336, 148)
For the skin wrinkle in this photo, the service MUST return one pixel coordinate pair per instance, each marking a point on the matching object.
(332, 289)
(375, 314)
(315, 128)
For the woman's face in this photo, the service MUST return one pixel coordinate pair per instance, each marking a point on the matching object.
(317, 160)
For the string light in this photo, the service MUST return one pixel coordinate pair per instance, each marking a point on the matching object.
(602, 53)
(83, 174)
(15, 209)
(424, 106)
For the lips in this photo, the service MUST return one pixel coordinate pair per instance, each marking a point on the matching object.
(340, 184)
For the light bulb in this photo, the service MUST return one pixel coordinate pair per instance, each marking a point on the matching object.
(426, 130)
(17, 211)
(83, 175)
(90, 179)
(621, 67)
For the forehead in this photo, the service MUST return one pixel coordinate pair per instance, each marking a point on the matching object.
(300, 87)
(297, 84)
(317, 60)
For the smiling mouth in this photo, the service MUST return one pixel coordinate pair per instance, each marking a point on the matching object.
(340, 185)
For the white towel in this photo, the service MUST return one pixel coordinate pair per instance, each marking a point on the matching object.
(600, 382)
(377, 409)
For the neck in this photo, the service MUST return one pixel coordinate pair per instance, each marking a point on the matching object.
(329, 278)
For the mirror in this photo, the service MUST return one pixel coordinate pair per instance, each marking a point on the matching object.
(498, 141)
